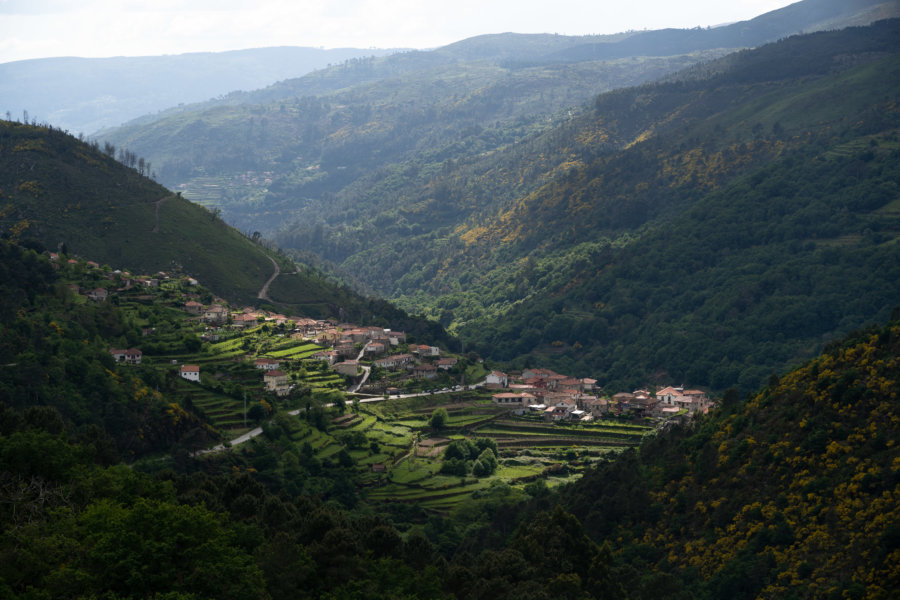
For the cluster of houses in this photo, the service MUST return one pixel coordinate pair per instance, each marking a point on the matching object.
(345, 344)
(559, 397)
(123, 279)
(556, 397)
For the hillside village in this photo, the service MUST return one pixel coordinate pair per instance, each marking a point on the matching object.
(367, 360)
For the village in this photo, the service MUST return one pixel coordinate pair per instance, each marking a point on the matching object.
(380, 362)
(368, 398)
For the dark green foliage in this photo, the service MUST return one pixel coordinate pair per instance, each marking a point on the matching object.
(438, 419)
(58, 371)
(478, 456)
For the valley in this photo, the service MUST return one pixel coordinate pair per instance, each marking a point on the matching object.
(525, 316)
(553, 232)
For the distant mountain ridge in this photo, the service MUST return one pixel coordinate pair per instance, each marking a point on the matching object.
(88, 94)
(515, 49)
(800, 17)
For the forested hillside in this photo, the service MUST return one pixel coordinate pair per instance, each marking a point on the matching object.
(792, 493)
(750, 201)
(62, 194)
(403, 118)
(744, 200)
(284, 158)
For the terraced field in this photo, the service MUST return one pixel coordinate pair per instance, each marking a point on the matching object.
(528, 449)
(224, 412)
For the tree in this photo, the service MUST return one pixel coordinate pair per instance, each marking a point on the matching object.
(488, 460)
(160, 547)
(439, 419)
(256, 413)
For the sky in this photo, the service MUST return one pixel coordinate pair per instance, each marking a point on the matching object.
(101, 28)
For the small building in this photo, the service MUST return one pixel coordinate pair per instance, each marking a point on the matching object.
(518, 402)
(497, 379)
(544, 374)
(555, 413)
(215, 314)
(396, 337)
(375, 348)
(194, 307)
(394, 361)
(131, 356)
(190, 372)
(445, 363)
(244, 320)
(425, 351)
(348, 367)
(267, 364)
(277, 381)
(346, 349)
(425, 371)
(98, 295)
(622, 400)
(326, 355)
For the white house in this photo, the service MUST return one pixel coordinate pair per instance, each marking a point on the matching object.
(497, 379)
(191, 372)
(267, 364)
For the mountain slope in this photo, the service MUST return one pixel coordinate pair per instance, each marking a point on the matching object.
(644, 218)
(304, 140)
(59, 193)
(793, 494)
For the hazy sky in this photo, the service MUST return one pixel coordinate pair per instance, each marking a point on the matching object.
(95, 28)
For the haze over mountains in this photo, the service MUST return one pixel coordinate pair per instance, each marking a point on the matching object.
(84, 95)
